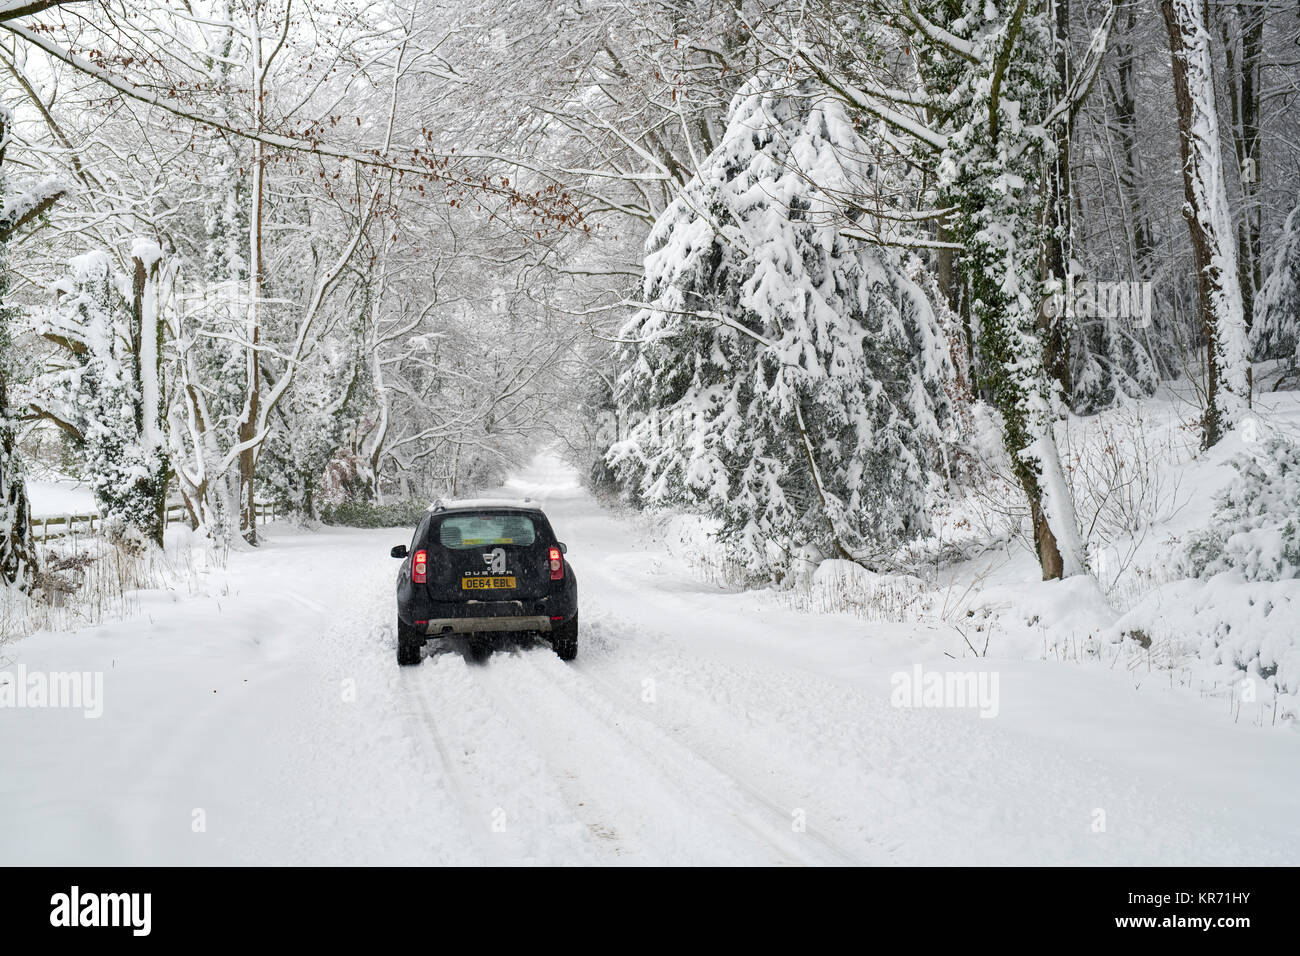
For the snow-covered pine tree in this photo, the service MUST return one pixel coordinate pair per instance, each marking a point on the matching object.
(1275, 332)
(781, 377)
(107, 384)
(1109, 359)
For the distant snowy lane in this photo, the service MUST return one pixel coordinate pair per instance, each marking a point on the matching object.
(268, 722)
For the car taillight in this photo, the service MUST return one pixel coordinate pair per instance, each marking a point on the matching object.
(557, 564)
(420, 567)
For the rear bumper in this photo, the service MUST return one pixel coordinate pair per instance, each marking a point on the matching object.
(417, 609)
(480, 625)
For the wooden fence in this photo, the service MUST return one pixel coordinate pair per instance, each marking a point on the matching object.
(43, 529)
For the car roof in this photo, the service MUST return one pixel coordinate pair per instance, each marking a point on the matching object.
(484, 504)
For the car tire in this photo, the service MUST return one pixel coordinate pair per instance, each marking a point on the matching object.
(564, 639)
(480, 646)
(408, 644)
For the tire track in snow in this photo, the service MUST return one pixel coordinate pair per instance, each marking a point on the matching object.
(451, 777)
(593, 817)
(780, 810)
(701, 720)
(687, 783)
(511, 823)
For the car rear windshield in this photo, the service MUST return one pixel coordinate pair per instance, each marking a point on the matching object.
(474, 531)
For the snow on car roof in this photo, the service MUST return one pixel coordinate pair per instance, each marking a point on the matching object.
(448, 504)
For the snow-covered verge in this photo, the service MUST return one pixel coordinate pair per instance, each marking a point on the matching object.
(1194, 558)
(87, 580)
(1238, 610)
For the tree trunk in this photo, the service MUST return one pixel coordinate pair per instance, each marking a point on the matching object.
(1205, 209)
(17, 549)
(18, 563)
(1054, 324)
(146, 359)
(1244, 59)
(951, 284)
(247, 431)
(1130, 166)
(248, 456)
(1049, 552)
(837, 540)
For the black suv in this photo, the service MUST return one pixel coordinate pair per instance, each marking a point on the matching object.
(477, 568)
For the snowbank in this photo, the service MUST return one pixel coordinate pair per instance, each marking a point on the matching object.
(1236, 629)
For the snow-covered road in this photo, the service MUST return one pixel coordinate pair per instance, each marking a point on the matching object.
(268, 723)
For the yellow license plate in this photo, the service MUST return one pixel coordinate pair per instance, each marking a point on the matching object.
(488, 584)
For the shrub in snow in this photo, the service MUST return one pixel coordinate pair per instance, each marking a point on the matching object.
(1239, 631)
(782, 378)
(1256, 526)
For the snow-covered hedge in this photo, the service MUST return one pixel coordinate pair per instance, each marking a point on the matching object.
(364, 514)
